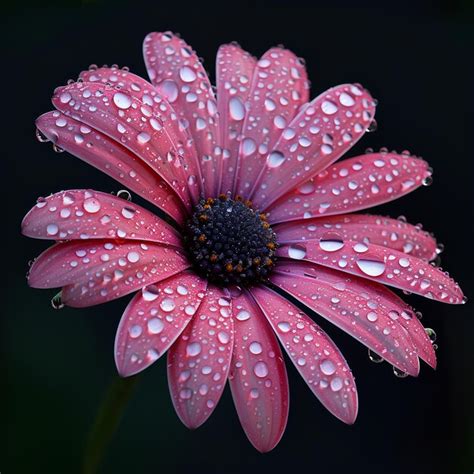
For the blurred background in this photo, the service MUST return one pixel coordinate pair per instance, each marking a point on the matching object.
(416, 59)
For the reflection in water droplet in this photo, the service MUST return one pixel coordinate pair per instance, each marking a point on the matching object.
(297, 251)
(56, 301)
(431, 334)
(375, 357)
(275, 159)
(399, 373)
(371, 267)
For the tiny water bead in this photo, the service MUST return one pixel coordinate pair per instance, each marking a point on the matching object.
(229, 242)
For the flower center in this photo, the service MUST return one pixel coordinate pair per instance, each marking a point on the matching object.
(229, 242)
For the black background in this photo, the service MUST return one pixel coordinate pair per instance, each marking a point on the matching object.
(416, 58)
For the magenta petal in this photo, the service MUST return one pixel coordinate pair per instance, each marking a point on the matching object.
(358, 307)
(319, 134)
(396, 234)
(234, 71)
(178, 75)
(154, 319)
(279, 88)
(87, 214)
(377, 263)
(95, 271)
(316, 357)
(149, 127)
(257, 376)
(110, 157)
(199, 361)
(351, 185)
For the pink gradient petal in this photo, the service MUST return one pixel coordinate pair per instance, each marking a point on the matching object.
(234, 71)
(319, 134)
(199, 361)
(351, 185)
(154, 319)
(257, 376)
(175, 70)
(358, 307)
(377, 263)
(110, 157)
(146, 92)
(149, 127)
(316, 357)
(95, 271)
(396, 234)
(87, 214)
(279, 88)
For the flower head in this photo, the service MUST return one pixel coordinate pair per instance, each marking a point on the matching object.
(254, 212)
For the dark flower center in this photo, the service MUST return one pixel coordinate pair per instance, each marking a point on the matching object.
(229, 242)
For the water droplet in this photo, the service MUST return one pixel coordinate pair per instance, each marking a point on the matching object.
(236, 108)
(155, 326)
(372, 316)
(133, 257)
(187, 74)
(329, 107)
(193, 349)
(327, 367)
(284, 326)
(91, 205)
(331, 243)
(372, 268)
(122, 101)
(169, 90)
(297, 251)
(336, 384)
(255, 348)
(431, 334)
(135, 331)
(375, 357)
(399, 373)
(260, 369)
(275, 159)
(56, 301)
(52, 229)
(243, 315)
(346, 99)
(167, 305)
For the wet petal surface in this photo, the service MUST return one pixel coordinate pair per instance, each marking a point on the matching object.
(257, 376)
(199, 361)
(316, 357)
(86, 214)
(154, 319)
(351, 185)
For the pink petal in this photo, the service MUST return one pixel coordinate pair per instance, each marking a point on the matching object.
(257, 376)
(95, 271)
(319, 134)
(234, 71)
(316, 357)
(178, 75)
(154, 319)
(377, 263)
(146, 93)
(279, 88)
(351, 185)
(199, 361)
(149, 128)
(108, 156)
(396, 234)
(88, 214)
(358, 307)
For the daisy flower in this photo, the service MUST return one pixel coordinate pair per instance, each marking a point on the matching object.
(255, 223)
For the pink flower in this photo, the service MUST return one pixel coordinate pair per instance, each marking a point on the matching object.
(256, 210)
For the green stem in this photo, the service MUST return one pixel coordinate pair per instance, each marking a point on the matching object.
(107, 421)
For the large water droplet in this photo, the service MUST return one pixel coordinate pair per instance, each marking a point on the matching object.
(372, 268)
(122, 101)
(275, 159)
(297, 251)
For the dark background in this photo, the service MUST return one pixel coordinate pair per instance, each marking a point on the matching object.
(417, 59)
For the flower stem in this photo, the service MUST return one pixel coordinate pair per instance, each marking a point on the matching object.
(107, 421)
